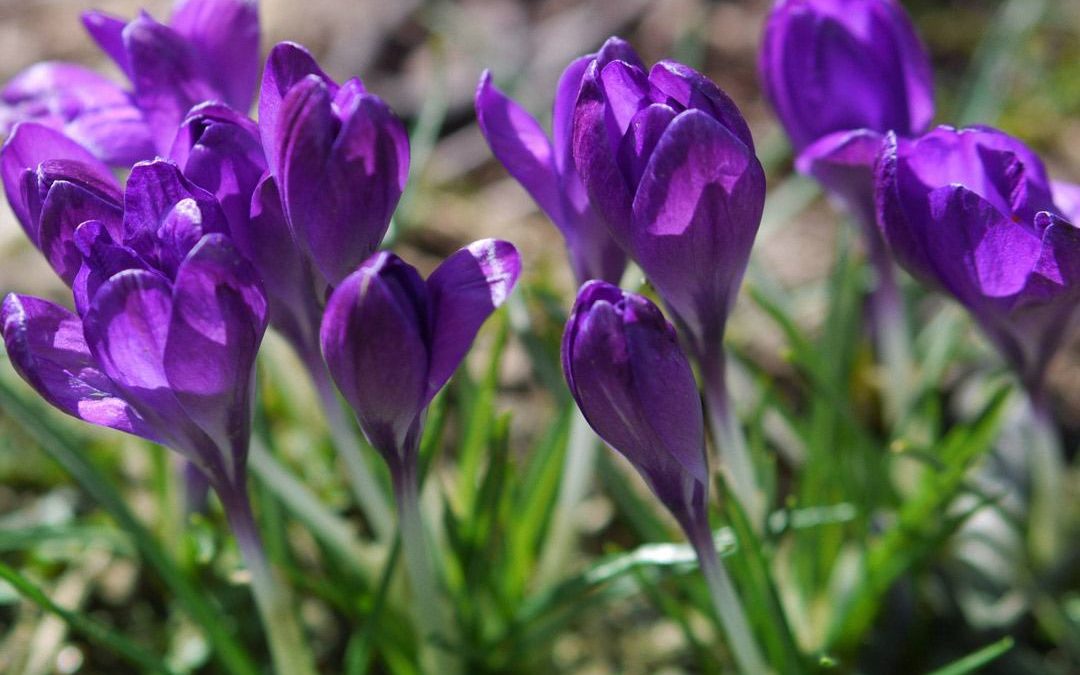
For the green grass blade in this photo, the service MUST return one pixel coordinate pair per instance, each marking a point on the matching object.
(976, 660)
(93, 630)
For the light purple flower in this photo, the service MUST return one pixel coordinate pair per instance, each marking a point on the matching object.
(669, 162)
(209, 51)
(545, 168)
(392, 340)
(634, 385)
(972, 212)
(339, 158)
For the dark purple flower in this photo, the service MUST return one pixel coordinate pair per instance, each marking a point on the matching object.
(833, 66)
(669, 163)
(392, 340)
(634, 385)
(545, 168)
(339, 157)
(167, 359)
(972, 212)
(209, 51)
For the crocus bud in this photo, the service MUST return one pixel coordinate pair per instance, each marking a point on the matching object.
(210, 51)
(545, 168)
(634, 385)
(392, 340)
(972, 212)
(339, 156)
(669, 162)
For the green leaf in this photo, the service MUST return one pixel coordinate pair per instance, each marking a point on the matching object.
(976, 660)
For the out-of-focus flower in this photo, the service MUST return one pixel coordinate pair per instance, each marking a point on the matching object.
(972, 212)
(392, 340)
(634, 386)
(170, 317)
(209, 51)
(669, 163)
(545, 168)
(839, 74)
(339, 157)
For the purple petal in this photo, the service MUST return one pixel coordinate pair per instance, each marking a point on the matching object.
(374, 340)
(644, 132)
(290, 282)
(465, 289)
(102, 258)
(594, 156)
(68, 205)
(108, 32)
(45, 344)
(166, 77)
(696, 214)
(562, 118)
(287, 64)
(626, 91)
(844, 163)
(219, 150)
(28, 146)
(617, 49)
(218, 319)
(340, 181)
(165, 215)
(691, 89)
(519, 143)
(224, 35)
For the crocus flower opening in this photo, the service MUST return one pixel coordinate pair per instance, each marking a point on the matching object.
(339, 157)
(545, 168)
(392, 340)
(634, 386)
(209, 51)
(971, 212)
(840, 74)
(669, 163)
(170, 317)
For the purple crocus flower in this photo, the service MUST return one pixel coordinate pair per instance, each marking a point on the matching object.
(209, 51)
(971, 212)
(392, 340)
(545, 168)
(634, 385)
(669, 163)
(170, 317)
(339, 158)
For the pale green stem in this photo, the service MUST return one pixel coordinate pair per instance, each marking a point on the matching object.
(730, 443)
(277, 609)
(1047, 474)
(428, 611)
(369, 493)
(728, 606)
(578, 469)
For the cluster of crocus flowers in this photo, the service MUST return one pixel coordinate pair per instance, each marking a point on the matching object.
(208, 51)
(669, 163)
(840, 74)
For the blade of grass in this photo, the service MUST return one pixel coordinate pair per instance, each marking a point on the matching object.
(976, 660)
(94, 630)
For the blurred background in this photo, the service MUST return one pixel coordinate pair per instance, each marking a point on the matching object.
(1014, 64)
